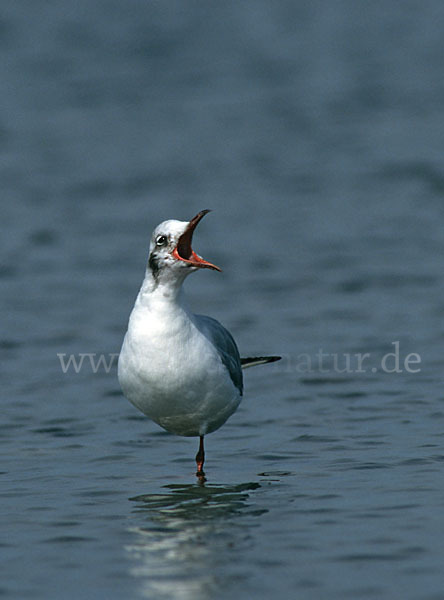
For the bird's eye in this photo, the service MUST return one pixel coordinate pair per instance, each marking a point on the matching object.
(161, 240)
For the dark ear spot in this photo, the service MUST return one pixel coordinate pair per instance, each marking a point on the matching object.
(153, 264)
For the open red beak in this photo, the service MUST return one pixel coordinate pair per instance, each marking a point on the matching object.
(183, 250)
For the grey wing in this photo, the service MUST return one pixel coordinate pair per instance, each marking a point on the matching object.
(226, 347)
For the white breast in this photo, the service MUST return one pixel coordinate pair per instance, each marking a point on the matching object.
(171, 372)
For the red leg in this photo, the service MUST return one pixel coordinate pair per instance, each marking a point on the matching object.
(200, 458)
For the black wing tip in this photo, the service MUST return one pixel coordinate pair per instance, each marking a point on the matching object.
(260, 359)
(272, 358)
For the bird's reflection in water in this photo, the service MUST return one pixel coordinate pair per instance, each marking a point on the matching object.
(188, 545)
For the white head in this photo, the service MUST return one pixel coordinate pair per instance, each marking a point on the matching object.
(171, 256)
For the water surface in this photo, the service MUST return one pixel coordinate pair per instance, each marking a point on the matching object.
(316, 134)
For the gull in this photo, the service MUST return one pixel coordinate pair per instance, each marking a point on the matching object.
(181, 370)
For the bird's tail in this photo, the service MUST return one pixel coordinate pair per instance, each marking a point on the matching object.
(252, 361)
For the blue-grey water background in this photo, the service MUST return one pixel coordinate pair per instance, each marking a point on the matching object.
(315, 132)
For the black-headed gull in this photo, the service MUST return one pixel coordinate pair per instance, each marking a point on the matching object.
(180, 369)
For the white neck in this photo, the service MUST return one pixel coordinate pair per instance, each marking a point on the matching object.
(165, 291)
